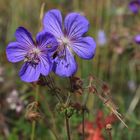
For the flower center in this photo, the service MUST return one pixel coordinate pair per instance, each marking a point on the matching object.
(33, 56)
(64, 42)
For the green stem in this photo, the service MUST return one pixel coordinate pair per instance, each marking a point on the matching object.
(36, 92)
(33, 130)
(67, 126)
(34, 122)
(83, 123)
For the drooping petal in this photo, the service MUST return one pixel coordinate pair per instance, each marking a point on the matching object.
(24, 37)
(29, 73)
(65, 65)
(53, 23)
(46, 41)
(45, 65)
(76, 25)
(84, 47)
(16, 52)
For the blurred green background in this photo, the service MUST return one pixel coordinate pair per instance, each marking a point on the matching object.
(116, 62)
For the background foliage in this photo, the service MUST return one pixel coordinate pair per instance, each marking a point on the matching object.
(116, 62)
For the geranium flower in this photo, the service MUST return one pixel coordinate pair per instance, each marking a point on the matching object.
(137, 39)
(101, 38)
(134, 6)
(70, 38)
(34, 54)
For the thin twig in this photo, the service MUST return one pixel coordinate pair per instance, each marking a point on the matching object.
(50, 80)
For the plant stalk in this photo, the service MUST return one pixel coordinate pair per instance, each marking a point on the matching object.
(109, 134)
(34, 122)
(83, 123)
(67, 126)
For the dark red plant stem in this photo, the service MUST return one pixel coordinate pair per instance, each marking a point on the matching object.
(109, 134)
(67, 126)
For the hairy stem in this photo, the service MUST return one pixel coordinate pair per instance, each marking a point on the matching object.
(67, 126)
(109, 134)
(83, 124)
(33, 130)
(34, 122)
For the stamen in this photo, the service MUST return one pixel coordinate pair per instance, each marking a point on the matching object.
(66, 41)
(49, 46)
(36, 50)
(33, 56)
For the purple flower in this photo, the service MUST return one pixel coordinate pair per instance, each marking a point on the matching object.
(70, 38)
(35, 54)
(101, 38)
(137, 39)
(134, 6)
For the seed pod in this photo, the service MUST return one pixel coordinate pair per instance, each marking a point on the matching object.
(76, 84)
(33, 116)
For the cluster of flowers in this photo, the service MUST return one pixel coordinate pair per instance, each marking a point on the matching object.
(54, 46)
